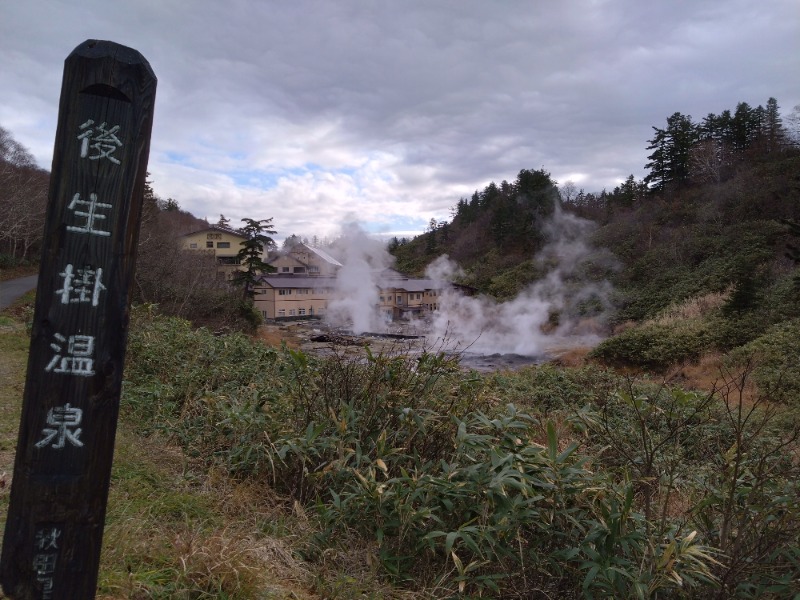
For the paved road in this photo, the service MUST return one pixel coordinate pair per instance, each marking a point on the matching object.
(14, 288)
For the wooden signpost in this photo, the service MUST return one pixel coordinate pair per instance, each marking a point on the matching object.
(54, 530)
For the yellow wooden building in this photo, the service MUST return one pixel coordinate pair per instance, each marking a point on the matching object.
(224, 243)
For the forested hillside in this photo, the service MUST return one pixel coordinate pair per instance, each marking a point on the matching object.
(23, 199)
(709, 223)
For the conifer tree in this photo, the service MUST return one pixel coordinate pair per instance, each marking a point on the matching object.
(251, 255)
(669, 163)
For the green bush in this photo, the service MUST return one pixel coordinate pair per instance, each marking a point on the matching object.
(655, 346)
(546, 389)
(497, 511)
(448, 489)
(774, 357)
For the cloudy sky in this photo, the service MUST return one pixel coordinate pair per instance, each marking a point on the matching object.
(386, 112)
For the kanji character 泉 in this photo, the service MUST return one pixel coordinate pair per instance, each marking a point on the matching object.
(63, 421)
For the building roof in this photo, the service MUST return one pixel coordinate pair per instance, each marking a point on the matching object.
(324, 256)
(291, 258)
(227, 230)
(320, 253)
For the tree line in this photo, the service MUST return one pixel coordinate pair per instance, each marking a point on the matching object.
(180, 283)
(23, 201)
(708, 151)
(187, 283)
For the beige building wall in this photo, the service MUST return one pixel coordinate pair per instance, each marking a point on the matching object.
(408, 296)
(288, 296)
(288, 265)
(293, 297)
(224, 244)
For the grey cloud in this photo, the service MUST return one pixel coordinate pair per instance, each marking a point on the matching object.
(456, 93)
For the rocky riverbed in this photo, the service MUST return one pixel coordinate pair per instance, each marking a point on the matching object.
(315, 337)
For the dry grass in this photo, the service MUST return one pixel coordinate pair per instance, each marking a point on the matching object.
(709, 373)
(570, 357)
(275, 335)
(697, 307)
(174, 532)
(703, 374)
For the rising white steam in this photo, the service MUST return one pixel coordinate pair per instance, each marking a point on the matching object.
(565, 307)
(355, 302)
(550, 313)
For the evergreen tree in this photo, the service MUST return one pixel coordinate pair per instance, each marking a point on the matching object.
(291, 241)
(251, 255)
(745, 126)
(628, 192)
(772, 132)
(669, 163)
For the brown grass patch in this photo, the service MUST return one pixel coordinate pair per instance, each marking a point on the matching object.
(571, 357)
(692, 308)
(703, 374)
(276, 335)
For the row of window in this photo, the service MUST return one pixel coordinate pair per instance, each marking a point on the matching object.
(400, 298)
(299, 312)
(193, 245)
(303, 291)
(298, 270)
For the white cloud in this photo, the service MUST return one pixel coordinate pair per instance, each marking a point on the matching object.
(312, 110)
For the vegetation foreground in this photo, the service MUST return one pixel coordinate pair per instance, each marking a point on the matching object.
(249, 471)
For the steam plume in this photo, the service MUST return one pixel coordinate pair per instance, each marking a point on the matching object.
(551, 312)
(355, 300)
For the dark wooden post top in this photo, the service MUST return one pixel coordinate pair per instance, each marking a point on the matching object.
(53, 535)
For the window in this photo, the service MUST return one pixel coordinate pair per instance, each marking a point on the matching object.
(299, 270)
(192, 245)
(264, 314)
(418, 296)
(291, 312)
(284, 292)
(223, 244)
(381, 298)
(284, 269)
(214, 236)
(281, 312)
(209, 244)
(399, 299)
(301, 311)
(313, 269)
